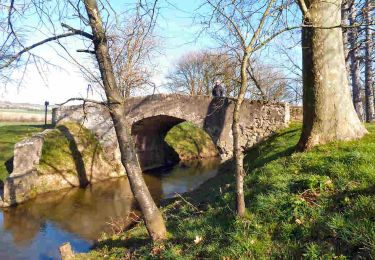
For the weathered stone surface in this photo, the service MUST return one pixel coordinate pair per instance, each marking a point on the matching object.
(29, 179)
(19, 188)
(296, 113)
(151, 117)
(27, 153)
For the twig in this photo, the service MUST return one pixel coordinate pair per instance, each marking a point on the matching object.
(84, 100)
(187, 202)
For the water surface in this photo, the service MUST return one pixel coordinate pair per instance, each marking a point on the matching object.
(35, 229)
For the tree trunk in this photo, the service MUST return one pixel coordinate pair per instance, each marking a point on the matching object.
(237, 149)
(354, 64)
(328, 111)
(345, 31)
(151, 215)
(369, 94)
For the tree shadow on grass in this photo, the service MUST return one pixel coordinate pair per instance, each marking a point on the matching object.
(252, 157)
(129, 243)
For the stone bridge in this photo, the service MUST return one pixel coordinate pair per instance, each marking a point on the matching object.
(151, 117)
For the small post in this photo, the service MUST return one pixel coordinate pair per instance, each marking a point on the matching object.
(46, 104)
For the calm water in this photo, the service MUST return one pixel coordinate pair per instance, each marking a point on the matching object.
(35, 229)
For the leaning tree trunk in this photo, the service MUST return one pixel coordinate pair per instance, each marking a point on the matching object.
(354, 64)
(237, 150)
(151, 215)
(369, 94)
(328, 111)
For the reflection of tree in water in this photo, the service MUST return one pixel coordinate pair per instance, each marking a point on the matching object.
(86, 212)
(81, 211)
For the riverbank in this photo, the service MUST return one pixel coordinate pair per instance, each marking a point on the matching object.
(313, 204)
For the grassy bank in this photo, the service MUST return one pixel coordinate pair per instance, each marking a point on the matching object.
(10, 134)
(191, 142)
(318, 204)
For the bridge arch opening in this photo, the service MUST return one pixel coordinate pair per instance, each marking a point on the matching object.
(149, 134)
(156, 149)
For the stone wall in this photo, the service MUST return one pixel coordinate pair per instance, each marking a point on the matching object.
(151, 117)
(296, 113)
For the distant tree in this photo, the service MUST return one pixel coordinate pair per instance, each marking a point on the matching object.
(268, 83)
(195, 73)
(353, 59)
(357, 42)
(369, 49)
(133, 48)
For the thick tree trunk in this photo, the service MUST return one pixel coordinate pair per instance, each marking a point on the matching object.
(237, 149)
(355, 73)
(369, 94)
(345, 31)
(151, 215)
(328, 111)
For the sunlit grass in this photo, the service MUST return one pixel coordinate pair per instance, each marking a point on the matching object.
(318, 204)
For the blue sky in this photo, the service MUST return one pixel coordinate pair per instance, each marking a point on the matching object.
(176, 27)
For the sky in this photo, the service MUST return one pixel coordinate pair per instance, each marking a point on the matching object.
(176, 28)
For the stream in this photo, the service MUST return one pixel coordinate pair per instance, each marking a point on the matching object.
(36, 229)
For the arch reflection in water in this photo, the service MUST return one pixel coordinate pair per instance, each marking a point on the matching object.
(185, 178)
(35, 229)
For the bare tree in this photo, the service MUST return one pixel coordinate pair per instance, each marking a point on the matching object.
(354, 61)
(357, 40)
(244, 27)
(369, 92)
(328, 112)
(115, 100)
(133, 48)
(270, 83)
(196, 72)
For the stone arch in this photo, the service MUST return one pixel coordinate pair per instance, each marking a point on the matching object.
(149, 134)
(258, 119)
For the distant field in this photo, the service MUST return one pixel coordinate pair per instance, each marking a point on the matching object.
(23, 115)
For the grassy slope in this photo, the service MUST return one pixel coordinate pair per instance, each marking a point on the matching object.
(314, 204)
(190, 142)
(10, 134)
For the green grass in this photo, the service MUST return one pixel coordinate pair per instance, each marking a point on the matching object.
(190, 142)
(313, 205)
(10, 134)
